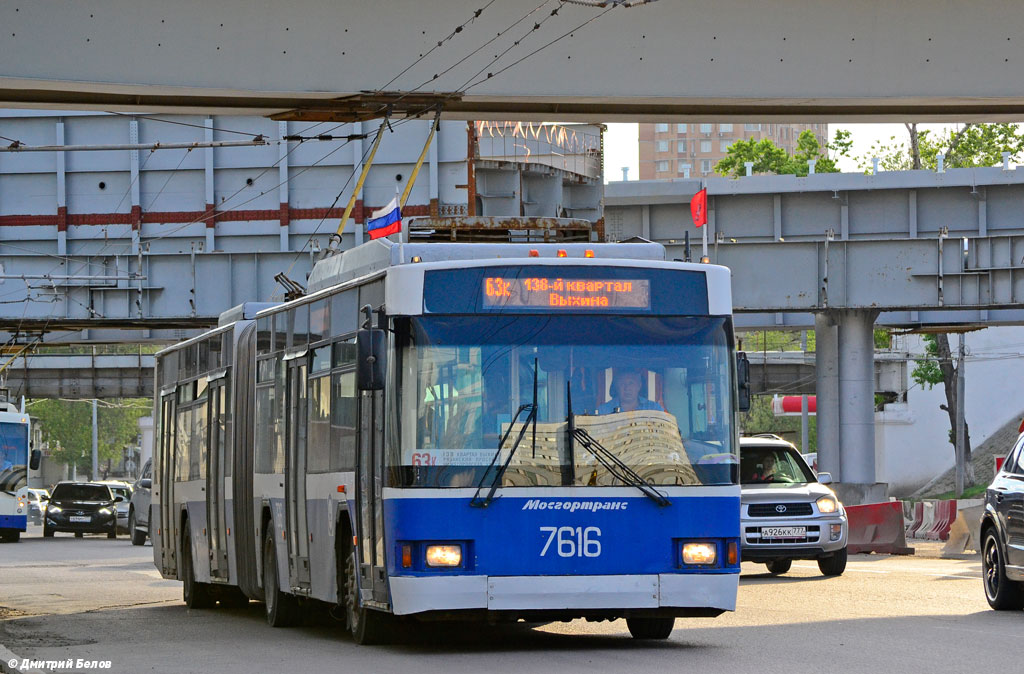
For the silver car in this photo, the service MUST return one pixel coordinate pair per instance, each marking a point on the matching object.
(787, 511)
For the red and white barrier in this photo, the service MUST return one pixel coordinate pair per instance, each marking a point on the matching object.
(877, 527)
(917, 519)
(945, 513)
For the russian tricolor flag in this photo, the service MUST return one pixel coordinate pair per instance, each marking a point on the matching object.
(385, 221)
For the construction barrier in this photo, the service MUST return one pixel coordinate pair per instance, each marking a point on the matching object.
(927, 520)
(916, 519)
(945, 513)
(877, 527)
(965, 533)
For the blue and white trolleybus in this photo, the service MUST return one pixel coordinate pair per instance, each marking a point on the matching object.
(456, 430)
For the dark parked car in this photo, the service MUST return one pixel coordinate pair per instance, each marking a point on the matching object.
(138, 512)
(81, 507)
(1003, 521)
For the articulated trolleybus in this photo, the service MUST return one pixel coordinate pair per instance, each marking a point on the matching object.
(14, 468)
(438, 431)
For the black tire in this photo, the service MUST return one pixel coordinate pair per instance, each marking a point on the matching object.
(10, 536)
(138, 537)
(368, 627)
(1002, 593)
(113, 531)
(79, 534)
(195, 594)
(779, 566)
(650, 628)
(47, 531)
(834, 565)
(282, 609)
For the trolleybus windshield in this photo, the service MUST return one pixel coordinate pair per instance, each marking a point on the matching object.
(655, 390)
(13, 455)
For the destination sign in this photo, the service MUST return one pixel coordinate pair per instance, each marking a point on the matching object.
(567, 293)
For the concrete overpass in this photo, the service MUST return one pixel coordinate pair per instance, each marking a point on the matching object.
(102, 375)
(810, 60)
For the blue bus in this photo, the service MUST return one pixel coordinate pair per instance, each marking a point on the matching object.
(14, 465)
(436, 431)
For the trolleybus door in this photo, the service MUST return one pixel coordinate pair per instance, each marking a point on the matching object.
(218, 401)
(295, 473)
(369, 490)
(168, 525)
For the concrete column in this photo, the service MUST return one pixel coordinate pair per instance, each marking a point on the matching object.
(826, 365)
(857, 407)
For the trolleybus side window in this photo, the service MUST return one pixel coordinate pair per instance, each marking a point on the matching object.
(343, 406)
(197, 449)
(298, 334)
(319, 321)
(270, 418)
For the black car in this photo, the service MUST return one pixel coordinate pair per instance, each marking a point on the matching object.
(81, 507)
(1002, 564)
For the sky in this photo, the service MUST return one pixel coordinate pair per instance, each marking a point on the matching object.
(621, 148)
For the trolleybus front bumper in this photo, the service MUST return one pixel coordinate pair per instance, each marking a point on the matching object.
(709, 593)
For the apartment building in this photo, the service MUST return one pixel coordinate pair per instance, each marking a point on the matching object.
(680, 150)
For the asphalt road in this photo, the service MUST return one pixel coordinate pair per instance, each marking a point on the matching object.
(103, 600)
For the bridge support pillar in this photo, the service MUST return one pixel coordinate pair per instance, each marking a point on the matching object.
(857, 482)
(826, 369)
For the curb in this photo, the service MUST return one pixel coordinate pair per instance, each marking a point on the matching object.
(6, 657)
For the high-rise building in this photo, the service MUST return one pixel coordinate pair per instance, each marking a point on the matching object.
(678, 150)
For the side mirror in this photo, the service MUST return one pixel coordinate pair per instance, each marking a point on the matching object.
(743, 381)
(146, 483)
(370, 346)
(37, 457)
(825, 478)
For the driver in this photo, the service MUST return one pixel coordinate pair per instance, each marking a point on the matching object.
(626, 387)
(769, 470)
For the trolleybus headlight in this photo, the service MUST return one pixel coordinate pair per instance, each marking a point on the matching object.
(827, 505)
(444, 555)
(699, 553)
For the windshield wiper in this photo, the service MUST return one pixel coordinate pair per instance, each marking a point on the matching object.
(476, 501)
(618, 468)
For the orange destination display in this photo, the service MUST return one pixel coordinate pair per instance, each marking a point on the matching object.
(567, 293)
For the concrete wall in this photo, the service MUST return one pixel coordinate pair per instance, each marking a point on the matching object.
(911, 439)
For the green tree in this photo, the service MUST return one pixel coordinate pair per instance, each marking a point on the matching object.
(938, 368)
(67, 424)
(767, 157)
(971, 145)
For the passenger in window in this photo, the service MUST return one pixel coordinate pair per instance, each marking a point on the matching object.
(626, 387)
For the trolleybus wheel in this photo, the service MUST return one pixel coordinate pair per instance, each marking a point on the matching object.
(282, 608)
(368, 627)
(195, 594)
(650, 628)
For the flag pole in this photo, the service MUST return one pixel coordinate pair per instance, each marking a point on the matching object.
(704, 229)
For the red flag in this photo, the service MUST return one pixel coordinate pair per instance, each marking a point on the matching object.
(699, 207)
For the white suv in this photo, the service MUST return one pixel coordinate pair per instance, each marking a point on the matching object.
(787, 511)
